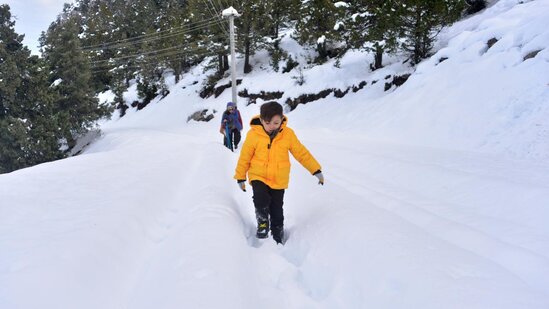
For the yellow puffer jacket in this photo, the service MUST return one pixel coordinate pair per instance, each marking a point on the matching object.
(268, 161)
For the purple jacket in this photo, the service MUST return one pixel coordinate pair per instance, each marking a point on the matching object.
(233, 119)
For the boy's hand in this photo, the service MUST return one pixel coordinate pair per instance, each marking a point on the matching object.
(318, 174)
(242, 185)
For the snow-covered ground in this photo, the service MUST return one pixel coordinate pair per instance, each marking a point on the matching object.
(436, 193)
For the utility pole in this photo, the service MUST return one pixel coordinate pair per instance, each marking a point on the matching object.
(231, 13)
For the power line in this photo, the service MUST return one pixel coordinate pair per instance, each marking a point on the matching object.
(196, 51)
(150, 54)
(133, 43)
(151, 36)
(96, 70)
(220, 5)
(137, 42)
(109, 64)
(215, 13)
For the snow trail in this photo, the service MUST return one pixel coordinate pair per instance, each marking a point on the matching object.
(157, 215)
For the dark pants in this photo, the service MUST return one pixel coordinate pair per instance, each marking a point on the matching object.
(268, 204)
(234, 138)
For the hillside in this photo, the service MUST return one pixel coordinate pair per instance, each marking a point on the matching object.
(484, 90)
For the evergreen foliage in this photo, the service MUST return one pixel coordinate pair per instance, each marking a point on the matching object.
(144, 37)
(316, 26)
(253, 27)
(77, 107)
(28, 126)
(420, 21)
(282, 16)
(174, 14)
(208, 33)
(372, 25)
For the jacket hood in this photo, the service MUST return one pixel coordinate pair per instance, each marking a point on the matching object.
(255, 124)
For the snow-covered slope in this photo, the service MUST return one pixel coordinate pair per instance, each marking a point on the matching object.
(436, 193)
(479, 99)
(490, 99)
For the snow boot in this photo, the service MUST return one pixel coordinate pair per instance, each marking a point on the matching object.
(262, 229)
(278, 234)
(262, 216)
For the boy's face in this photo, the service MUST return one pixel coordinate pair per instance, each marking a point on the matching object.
(273, 124)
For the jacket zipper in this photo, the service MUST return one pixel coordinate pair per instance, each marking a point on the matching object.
(269, 156)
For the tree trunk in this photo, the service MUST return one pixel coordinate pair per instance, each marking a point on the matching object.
(378, 58)
(71, 141)
(276, 30)
(177, 71)
(220, 64)
(276, 24)
(322, 52)
(225, 62)
(247, 66)
(417, 38)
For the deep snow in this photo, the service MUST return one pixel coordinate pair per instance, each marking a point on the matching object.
(436, 192)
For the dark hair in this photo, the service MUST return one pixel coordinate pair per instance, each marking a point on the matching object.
(270, 109)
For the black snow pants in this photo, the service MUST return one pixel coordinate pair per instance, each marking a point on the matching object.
(268, 204)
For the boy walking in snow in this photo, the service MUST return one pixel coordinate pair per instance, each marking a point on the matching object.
(264, 159)
(231, 125)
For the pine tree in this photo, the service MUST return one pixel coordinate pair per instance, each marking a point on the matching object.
(208, 32)
(422, 20)
(44, 133)
(13, 129)
(141, 18)
(77, 107)
(176, 38)
(13, 57)
(111, 36)
(254, 27)
(372, 25)
(283, 14)
(118, 87)
(13, 139)
(279, 15)
(28, 128)
(134, 20)
(316, 26)
(98, 24)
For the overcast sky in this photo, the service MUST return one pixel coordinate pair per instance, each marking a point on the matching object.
(34, 16)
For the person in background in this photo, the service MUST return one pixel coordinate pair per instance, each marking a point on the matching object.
(265, 161)
(231, 125)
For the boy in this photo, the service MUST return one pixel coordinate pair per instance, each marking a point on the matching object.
(264, 158)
